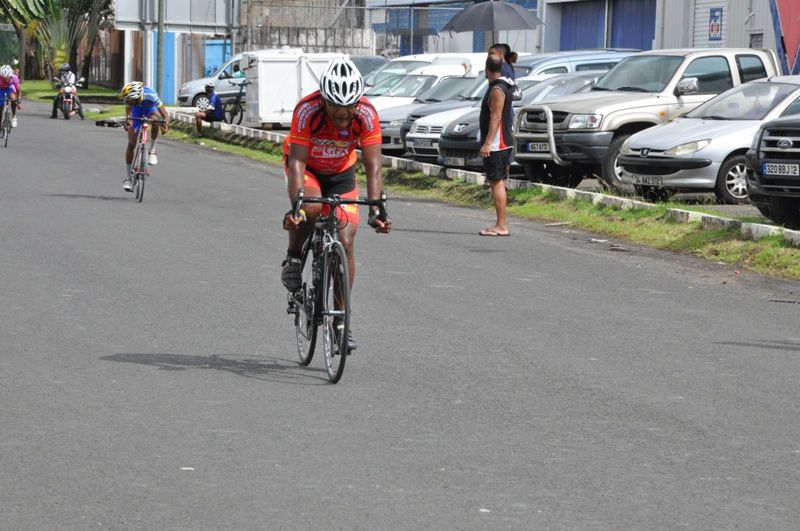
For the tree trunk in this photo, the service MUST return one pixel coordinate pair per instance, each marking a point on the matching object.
(22, 51)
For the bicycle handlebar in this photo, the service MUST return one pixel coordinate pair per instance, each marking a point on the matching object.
(336, 200)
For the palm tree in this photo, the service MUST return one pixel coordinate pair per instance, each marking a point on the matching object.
(22, 14)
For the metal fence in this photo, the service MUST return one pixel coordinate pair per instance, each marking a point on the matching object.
(389, 31)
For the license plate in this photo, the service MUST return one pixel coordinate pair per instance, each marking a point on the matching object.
(538, 147)
(423, 142)
(773, 168)
(648, 180)
(454, 161)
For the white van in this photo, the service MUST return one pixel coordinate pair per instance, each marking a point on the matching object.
(280, 79)
(193, 93)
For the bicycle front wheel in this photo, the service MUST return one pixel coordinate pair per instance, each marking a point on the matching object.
(304, 303)
(142, 173)
(335, 310)
(6, 129)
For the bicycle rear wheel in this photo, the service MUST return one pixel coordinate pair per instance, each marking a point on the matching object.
(335, 310)
(303, 304)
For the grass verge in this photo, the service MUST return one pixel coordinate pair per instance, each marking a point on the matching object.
(771, 256)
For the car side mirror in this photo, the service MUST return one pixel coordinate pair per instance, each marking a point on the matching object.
(687, 85)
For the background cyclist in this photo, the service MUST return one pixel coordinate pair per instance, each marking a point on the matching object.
(10, 91)
(141, 102)
(319, 154)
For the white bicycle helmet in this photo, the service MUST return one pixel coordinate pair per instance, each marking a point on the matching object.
(341, 83)
(132, 91)
(5, 71)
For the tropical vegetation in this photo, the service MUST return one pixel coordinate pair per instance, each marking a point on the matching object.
(51, 32)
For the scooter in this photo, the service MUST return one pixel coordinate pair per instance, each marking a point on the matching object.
(67, 93)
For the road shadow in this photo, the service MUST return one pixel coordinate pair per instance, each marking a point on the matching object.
(86, 196)
(248, 368)
(428, 231)
(788, 346)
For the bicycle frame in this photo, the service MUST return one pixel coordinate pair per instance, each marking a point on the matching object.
(323, 300)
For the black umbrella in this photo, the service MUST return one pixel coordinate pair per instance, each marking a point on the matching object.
(494, 16)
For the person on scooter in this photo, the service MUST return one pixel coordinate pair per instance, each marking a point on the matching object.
(66, 78)
(9, 86)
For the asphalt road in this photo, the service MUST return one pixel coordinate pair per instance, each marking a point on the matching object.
(148, 378)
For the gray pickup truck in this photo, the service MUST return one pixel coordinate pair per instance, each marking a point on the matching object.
(580, 135)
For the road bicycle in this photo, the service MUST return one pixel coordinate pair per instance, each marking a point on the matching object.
(233, 111)
(323, 300)
(5, 124)
(140, 168)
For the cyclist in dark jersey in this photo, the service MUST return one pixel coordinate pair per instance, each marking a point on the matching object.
(319, 155)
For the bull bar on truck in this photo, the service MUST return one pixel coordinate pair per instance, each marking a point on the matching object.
(548, 136)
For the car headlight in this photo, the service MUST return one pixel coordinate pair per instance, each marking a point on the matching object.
(688, 148)
(625, 149)
(585, 121)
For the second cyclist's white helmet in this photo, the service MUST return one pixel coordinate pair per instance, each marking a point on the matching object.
(5, 71)
(341, 82)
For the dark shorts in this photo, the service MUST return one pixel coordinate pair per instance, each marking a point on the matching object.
(496, 165)
(210, 117)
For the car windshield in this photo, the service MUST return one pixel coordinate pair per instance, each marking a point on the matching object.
(448, 88)
(393, 68)
(384, 86)
(410, 86)
(642, 73)
(556, 86)
(751, 101)
(475, 92)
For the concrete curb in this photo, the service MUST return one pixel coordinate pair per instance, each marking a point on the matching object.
(752, 231)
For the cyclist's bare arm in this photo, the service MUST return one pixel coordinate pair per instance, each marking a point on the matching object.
(162, 109)
(371, 158)
(296, 169)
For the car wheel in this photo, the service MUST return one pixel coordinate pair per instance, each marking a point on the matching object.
(552, 174)
(786, 211)
(611, 172)
(201, 102)
(731, 185)
(653, 193)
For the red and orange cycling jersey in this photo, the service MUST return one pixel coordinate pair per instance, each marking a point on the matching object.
(331, 150)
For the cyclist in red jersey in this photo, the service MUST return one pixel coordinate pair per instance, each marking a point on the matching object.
(319, 157)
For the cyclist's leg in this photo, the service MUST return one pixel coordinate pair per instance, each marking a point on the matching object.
(291, 273)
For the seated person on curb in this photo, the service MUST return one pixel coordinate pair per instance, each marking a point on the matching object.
(10, 89)
(213, 112)
(141, 102)
(66, 77)
(319, 154)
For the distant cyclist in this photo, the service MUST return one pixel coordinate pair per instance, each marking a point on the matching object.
(141, 102)
(10, 92)
(66, 77)
(319, 154)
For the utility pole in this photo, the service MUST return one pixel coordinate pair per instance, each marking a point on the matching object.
(160, 53)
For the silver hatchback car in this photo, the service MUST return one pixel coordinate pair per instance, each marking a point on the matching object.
(705, 150)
